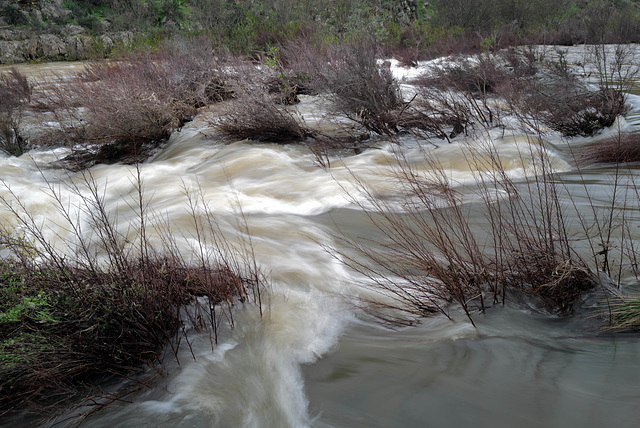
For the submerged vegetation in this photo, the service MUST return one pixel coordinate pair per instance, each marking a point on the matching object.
(438, 249)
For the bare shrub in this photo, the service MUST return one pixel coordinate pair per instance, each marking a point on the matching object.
(257, 117)
(624, 147)
(577, 111)
(308, 63)
(200, 74)
(139, 100)
(433, 255)
(140, 108)
(541, 94)
(480, 77)
(365, 90)
(558, 99)
(15, 94)
(67, 323)
(454, 97)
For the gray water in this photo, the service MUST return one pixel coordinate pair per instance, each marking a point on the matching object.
(313, 359)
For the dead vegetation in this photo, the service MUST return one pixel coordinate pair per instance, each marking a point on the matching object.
(117, 306)
(364, 90)
(529, 252)
(120, 111)
(557, 98)
(15, 94)
(129, 106)
(436, 256)
(573, 110)
(621, 148)
(257, 117)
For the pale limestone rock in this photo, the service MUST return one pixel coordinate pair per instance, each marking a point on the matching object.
(51, 46)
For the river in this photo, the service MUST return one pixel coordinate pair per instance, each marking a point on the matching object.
(313, 358)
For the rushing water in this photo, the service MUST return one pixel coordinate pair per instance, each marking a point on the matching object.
(311, 359)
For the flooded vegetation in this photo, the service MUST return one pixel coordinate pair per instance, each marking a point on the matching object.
(322, 234)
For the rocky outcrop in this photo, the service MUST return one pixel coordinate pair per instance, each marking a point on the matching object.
(24, 35)
(48, 47)
(52, 9)
(18, 12)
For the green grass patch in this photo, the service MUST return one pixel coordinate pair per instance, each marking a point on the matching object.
(37, 307)
(626, 315)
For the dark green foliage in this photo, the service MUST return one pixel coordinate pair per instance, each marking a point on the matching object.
(410, 29)
(14, 16)
(486, 15)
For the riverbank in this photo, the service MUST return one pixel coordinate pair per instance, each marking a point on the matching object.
(20, 47)
(409, 30)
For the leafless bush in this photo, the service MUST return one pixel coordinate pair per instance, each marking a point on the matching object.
(480, 77)
(365, 90)
(574, 110)
(558, 99)
(143, 107)
(257, 117)
(432, 254)
(138, 100)
(624, 147)
(15, 94)
(113, 307)
(541, 94)
(200, 74)
(308, 63)
(457, 96)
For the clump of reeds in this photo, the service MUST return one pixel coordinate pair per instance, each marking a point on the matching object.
(626, 315)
